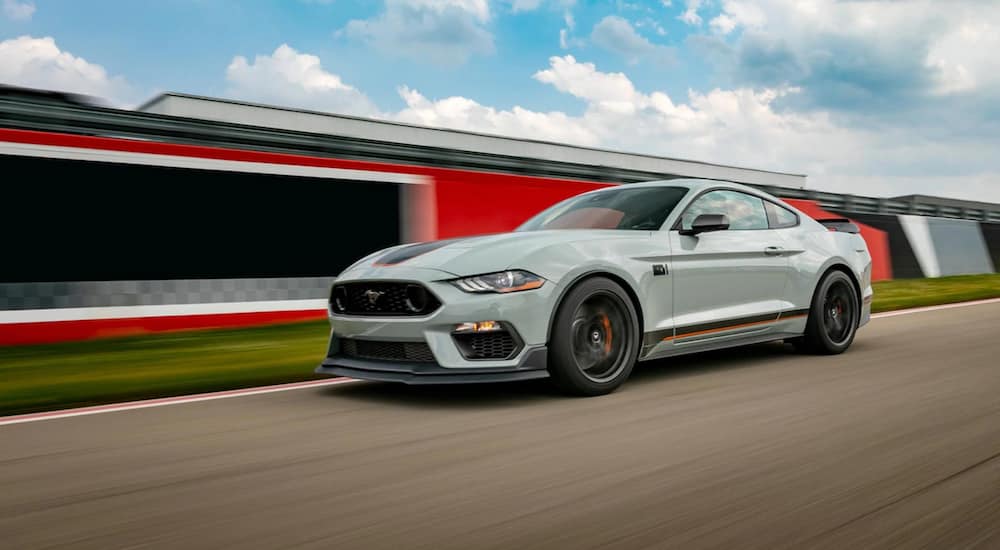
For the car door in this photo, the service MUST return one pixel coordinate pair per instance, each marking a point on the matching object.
(726, 283)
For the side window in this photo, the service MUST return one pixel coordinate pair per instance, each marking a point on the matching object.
(779, 216)
(744, 211)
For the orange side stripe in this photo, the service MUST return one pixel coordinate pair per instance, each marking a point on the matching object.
(731, 327)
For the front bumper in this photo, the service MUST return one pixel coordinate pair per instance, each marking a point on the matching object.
(532, 365)
(526, 313)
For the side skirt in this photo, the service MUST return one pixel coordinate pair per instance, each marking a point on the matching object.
(720, 343)
(718, 334)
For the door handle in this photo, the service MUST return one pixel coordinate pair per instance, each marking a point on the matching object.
(774, 251)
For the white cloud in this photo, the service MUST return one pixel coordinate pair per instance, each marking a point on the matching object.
(615, 34)
(18, 10)
(724, 24)
(721, 125)
(690, 14)
(584, 81)
(441, 31)
(566, 39)
(531, 5)
(480, 9)
(738, 13)
(965, 56)
(466, 114)
(649, 22)
(861, 53)
(39, 63)
(290, 78)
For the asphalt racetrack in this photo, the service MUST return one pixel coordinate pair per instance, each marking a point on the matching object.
(895, 443)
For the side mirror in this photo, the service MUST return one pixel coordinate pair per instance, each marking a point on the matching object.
(707, 222)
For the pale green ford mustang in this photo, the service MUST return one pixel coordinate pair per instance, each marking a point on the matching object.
(585, 289)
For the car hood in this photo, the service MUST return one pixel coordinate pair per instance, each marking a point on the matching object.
(486, 253)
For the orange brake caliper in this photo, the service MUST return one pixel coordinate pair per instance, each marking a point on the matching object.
(607, 331)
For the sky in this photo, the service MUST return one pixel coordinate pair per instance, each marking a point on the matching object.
(878, 98)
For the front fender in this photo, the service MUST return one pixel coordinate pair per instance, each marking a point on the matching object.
(618, 275)
(628, 260)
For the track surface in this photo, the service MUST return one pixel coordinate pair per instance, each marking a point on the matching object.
(896, 443)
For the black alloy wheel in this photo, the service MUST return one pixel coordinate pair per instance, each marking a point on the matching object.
(833, 317)
(838, 311)
(595, 338)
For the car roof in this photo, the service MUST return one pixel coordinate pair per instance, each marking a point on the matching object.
(693, 184)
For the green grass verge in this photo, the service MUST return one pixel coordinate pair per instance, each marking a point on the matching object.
(55, 376)
(907, 293)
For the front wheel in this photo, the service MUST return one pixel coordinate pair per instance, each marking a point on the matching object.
(595, 338)
(833, 317)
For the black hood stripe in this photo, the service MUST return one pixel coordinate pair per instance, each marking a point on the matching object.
(408, 252)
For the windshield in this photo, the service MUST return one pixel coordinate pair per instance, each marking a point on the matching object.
(637, 208)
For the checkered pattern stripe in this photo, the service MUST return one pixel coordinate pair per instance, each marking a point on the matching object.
(53, 295)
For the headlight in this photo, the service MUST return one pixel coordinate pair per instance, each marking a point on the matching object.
(503, 282)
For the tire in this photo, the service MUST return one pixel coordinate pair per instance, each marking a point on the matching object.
(833, 316)
(595, 339)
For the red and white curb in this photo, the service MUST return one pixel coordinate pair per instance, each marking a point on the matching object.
(164, 401)
(149, 403)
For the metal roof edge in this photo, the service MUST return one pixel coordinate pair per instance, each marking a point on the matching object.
(166, 95)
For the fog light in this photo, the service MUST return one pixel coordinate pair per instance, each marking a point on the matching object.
(480, 326)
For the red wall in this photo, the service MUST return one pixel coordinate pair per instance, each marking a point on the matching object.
(475, 203)
(48, 332)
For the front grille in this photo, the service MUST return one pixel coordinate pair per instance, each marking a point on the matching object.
(382, 298)
(487, 345)
(418, 352)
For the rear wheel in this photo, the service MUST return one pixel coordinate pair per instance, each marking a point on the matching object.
(595, 338)
(833, 317)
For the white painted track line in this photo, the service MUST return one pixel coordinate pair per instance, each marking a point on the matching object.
(885, 314)
(161, 402)
(83, 411)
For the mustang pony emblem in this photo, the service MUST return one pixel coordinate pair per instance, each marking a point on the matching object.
(373, 296)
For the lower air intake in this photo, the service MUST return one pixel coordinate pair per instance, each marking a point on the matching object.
(416, 352)
(487, 345)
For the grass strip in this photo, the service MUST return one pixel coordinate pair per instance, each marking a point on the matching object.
(909, 293)
(76, 374)
(57, 376)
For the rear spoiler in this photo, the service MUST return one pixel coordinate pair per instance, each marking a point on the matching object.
(840, 225)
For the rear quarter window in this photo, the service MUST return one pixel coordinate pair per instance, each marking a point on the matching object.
(779, 217)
